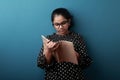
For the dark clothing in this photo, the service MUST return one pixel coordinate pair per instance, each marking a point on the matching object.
(66, 70)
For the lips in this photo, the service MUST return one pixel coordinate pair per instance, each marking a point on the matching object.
(61, 30)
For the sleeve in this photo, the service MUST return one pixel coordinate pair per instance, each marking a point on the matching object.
(41, 60)
(84, 60)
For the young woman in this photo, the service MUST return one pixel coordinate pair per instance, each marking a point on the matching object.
(62, 21)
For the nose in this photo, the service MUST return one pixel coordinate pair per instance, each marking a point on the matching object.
(60, 26)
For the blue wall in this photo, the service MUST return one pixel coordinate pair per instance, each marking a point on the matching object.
(23, 21)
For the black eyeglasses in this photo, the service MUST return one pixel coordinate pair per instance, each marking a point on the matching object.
(60, 24)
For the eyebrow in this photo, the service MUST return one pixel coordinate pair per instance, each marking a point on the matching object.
(61, 22)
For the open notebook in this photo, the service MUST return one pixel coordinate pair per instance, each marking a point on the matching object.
(65, 52)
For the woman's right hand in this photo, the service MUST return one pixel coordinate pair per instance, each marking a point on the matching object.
(50, 46)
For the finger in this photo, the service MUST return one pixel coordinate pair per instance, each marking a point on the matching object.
(56, 46)
(48, 41)
(50, 44)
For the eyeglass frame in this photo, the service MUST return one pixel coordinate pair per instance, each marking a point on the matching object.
(60, 24)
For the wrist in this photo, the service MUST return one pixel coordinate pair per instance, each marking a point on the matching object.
(46, 51)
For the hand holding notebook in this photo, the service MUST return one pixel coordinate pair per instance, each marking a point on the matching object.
(65, 52)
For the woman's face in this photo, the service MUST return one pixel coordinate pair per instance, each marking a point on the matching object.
(61, 24)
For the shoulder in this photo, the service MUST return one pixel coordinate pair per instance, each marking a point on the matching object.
(76, 35)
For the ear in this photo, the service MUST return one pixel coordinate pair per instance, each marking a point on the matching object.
(69, 22)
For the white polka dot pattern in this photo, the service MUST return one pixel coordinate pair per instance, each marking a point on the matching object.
(66, 70)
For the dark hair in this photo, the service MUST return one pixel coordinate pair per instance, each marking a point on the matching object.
(64, 12)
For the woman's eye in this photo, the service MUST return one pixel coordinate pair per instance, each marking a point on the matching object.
(56, 24)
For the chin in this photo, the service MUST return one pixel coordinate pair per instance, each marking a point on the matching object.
(62, 33)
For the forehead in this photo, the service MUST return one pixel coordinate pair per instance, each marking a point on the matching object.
(59, 18)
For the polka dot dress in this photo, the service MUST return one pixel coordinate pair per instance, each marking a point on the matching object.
(66, 70)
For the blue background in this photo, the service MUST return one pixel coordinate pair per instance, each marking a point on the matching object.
(22, 22)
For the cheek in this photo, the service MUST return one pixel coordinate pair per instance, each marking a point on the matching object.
(55, 28)
(66, 27)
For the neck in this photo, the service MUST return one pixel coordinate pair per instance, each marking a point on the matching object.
(63, 33)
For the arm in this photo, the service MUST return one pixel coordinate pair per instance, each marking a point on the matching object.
(83, 59)
(45, 58)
